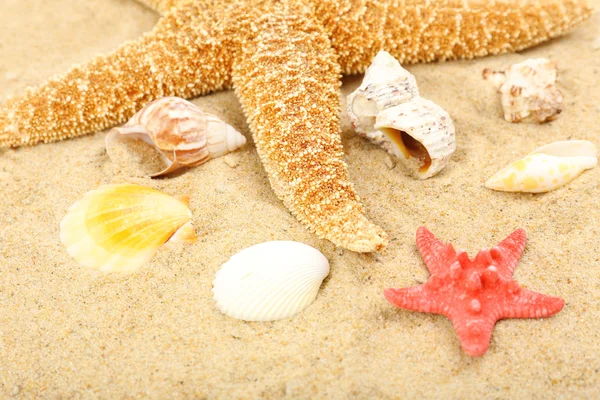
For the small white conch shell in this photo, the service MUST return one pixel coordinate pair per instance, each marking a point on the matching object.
(388, 110)
(182, 134)
(118, 228)
(270, 281)
(528, 91)
(546, 168)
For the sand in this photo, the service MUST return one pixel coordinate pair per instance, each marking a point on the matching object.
(68, 332)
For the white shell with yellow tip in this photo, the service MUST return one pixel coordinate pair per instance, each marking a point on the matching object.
(270, 281)
(118, 228)
(546, 168)
(388, 110)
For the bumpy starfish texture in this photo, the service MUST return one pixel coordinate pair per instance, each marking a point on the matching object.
(473, 294)
(286, 76)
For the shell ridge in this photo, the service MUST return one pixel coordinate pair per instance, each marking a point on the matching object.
(292, 291)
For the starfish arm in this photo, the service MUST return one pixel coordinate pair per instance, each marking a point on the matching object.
(509, 254)
(505, 255)
(474, 331)
(355, 28)
(172, 60)
(469, 29)
(523, 303)
(423, 31)
(437, 256)
(287, 80)
(416, 298)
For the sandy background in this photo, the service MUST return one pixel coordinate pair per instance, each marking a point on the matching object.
(69, 332)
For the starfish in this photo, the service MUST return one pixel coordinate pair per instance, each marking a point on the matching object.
(284, 59)
(473, 294)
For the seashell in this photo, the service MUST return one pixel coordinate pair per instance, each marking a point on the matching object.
(546, 168)
(118, 228)
(270, 281)
(181, 134)
(528, 91)
(388, 110)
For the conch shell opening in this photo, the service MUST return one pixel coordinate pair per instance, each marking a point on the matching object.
(169, 134)
(409, 147)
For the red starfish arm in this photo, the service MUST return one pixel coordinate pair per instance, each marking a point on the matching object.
(525, 303)
(474, 332)
(437, 256)
(110, 89)
(416, 298)
(507, 253)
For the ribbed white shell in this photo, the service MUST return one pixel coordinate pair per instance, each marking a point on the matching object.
(270, 281)
(389, 98)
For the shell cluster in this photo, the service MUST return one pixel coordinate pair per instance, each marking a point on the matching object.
(119, 228)
(270, 281)
(388, 110)
(528, 91)
(181, 134)
(546, 168)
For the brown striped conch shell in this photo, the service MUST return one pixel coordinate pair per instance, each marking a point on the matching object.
(180, 133)
(388, 110)
(528, 91)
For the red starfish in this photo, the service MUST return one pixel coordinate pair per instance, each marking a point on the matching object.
(473, 294)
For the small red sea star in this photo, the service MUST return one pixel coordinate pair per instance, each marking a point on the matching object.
(473, 294)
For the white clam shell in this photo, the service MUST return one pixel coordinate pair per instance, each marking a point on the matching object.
(546, 168)
(182, 135)
(388, 110)
(270, 281)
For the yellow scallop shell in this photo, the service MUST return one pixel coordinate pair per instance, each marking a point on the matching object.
(118, 228)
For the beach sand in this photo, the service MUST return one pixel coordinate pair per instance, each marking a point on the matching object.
(68, 332)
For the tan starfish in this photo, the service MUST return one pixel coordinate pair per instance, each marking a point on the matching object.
(284, 58)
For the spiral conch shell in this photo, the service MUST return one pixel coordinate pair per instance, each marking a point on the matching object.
(388, 110)
(270, 281)
(546, 168)
(528, 91)
(118, 228)
(182, 134)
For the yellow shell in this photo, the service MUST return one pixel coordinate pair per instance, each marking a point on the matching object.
(546, 168)
(118, 228)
